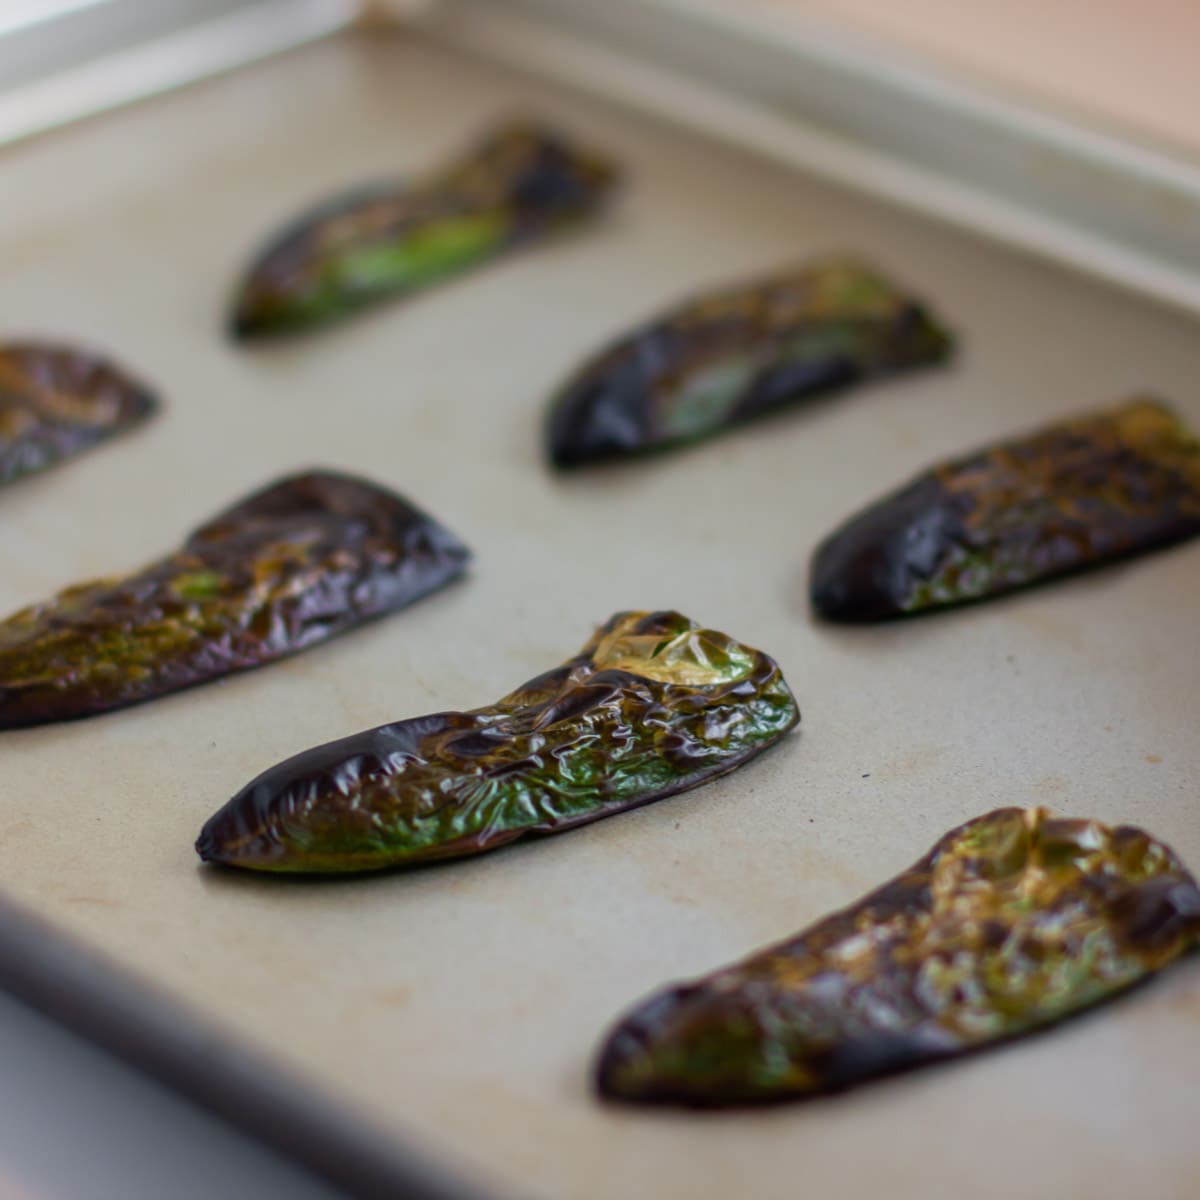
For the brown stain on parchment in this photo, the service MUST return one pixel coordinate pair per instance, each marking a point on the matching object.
(1051, 629)
(17, 829)
(1183, 1004)
(1051, 785)
(915, 762)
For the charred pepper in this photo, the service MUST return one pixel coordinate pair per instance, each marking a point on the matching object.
(1075, 494)
(733, 354)
(1012, 922)
(517, 185)
(57, 401)
(652, 705)
(286, 568)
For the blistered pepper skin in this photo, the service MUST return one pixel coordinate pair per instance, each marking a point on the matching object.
(1074, 495)
(517, 185)
(734, 354)
(652, 705)
(57, 401)
(285, 569)
(1011, 923)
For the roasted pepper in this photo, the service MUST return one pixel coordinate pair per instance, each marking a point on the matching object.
(518, 184)
(733, 354)
(652, 705)
(1012, 922)
(57, 401)
(1072, 495)
(286, 568)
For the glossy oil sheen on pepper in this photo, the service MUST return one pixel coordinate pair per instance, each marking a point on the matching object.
(288, 567)
(57, 401)
(517, 185)
(1011, 922)
(1073, 495)
(652, 705)
(736, 353)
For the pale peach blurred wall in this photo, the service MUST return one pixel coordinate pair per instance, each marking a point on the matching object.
(1134, 64)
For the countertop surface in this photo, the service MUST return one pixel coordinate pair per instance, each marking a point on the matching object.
(80, 1125)
(1125, 64)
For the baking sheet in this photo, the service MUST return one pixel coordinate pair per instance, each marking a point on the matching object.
(457, 1008)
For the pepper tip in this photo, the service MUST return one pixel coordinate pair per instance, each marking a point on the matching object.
(240, 326)
(608, 1079)
(834, 597)
(206, 846)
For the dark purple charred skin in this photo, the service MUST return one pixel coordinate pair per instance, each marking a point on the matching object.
(515, 186)
(734, 354)
(1074, 495)
(654, 704)
(57, 401)
(1011, 923)
(289, 567)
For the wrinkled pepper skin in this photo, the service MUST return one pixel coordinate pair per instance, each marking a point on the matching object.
(57, 401)
(1073, 495)
(287, 568)
(734, 354)
(1011, 923)
(652, 705)
(517, 185)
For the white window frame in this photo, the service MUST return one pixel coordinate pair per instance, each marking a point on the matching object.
(65, 59)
